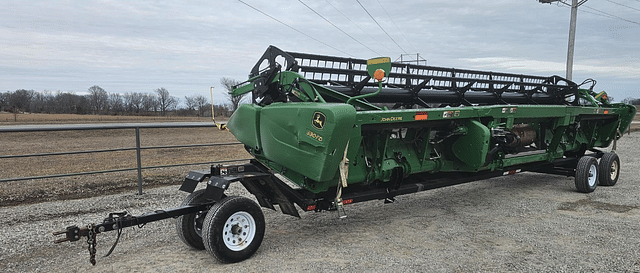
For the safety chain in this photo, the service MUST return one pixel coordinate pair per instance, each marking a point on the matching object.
(91, 240)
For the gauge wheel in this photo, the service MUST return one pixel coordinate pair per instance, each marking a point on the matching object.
(233, 229)
(587, 174)
(609, 169)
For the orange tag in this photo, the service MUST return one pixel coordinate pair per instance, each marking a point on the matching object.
(421, 115)
(379, 75)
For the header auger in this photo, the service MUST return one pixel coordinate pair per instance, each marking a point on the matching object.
(346, 130)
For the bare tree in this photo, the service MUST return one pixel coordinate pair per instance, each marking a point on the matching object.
(116, 104)
(44, 102)
(223, 110)
(65, 103)
(166, 102)
(4, 101)
(630, 100)
(48, 102)
(197, 104)
(202, 105)
(20, 100)
(39, 101)
(133, 102)
(149, 103)
(228, 84)
(98, 98)
(190, 102)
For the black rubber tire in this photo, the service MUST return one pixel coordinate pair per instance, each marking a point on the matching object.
(189, 226)
(587, 174)
(609, 169)
(219, 224)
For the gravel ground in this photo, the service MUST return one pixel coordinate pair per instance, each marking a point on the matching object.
(526, 222)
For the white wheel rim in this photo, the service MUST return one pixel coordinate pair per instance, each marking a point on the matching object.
(238, 231)
(614, 171)
(593, 172)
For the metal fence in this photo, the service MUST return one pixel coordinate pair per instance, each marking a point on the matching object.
(138, 148)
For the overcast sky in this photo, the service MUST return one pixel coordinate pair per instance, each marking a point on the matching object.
(187, 46)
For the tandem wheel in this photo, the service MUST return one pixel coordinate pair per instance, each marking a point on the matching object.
(609, 169)
(189, 226)
(233, 229)
(590, 173)
(587, 174)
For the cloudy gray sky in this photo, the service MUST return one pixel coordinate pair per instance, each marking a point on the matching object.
(187, 46)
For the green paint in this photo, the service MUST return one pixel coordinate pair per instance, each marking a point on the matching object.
(305, 140)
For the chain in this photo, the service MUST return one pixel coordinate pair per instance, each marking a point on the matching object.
(91, 240)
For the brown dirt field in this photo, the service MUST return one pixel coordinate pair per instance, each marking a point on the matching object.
(7, 118)
(32, 191)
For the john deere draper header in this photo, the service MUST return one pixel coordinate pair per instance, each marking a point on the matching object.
(346, 130)
(307, 109)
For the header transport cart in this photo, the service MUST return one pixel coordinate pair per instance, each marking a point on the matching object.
(329, 131)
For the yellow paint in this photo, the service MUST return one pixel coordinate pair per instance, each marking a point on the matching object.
(314, 136)
(379, 60)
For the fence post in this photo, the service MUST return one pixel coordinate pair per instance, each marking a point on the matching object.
(139, 161)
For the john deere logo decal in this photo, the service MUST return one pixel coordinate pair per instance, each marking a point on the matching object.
(318, 120)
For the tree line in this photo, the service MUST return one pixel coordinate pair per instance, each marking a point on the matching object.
(100, 102)
(632, 101)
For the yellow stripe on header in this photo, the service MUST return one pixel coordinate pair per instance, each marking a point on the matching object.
(379, 60)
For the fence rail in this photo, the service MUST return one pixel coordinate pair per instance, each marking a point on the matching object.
(113, 126)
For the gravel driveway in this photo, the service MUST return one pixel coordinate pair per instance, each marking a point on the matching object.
(526, 222)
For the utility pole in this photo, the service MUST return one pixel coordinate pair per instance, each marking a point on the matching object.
(418, 60)
(572, 31)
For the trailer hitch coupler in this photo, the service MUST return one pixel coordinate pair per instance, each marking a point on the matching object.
(72, 233)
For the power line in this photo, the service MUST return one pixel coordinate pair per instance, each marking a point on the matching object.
(265, 14)
(394, 23)
(604, 14)
(366, 32)
(337, 27)
(385, 32)
(616, 17)
(623, 5)
(599, 14)
(590, 12)
(572, 31)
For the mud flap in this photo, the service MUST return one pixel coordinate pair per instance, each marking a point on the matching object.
(215, 188)
(192, 180)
